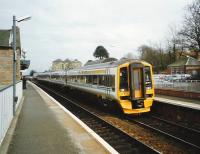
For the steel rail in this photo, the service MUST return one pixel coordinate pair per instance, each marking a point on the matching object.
(157, 128)
(178, 125)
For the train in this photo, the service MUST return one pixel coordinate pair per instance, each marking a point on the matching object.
(126, 83)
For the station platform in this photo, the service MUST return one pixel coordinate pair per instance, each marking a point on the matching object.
(44, 127)
(188, 103)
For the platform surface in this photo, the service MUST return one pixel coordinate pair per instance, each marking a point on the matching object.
(44, 128)
(189, 103)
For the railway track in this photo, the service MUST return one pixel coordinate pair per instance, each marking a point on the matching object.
(118, 139)
(188, 136)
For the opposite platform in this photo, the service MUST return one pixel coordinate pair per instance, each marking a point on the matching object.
(43, 127)
(187, 103)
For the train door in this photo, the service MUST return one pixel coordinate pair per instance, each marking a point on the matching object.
(137, 81)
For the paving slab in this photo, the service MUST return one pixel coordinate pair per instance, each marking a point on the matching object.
(43, 127)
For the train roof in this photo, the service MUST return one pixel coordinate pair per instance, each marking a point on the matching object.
(101, 64)
(105, 64)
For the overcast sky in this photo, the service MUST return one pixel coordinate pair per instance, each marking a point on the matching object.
(74, 28)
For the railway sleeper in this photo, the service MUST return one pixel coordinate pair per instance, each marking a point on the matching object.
(109, 138)
(119, 142)
(91, 122)
(88, 119)
(133, 150)
(102, 127)
(104, 135)
(107, 133)
(124, 147)
(96, 125)
(102, 131)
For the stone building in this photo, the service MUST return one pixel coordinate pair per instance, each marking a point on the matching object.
(74, 64)
(58, 64)
(6, 57)
(67, 64)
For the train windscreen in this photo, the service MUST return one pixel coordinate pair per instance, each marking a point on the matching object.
(123, 79)
(148, 80)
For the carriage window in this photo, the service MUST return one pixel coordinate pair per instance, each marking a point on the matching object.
(71, 79)
(82, 79)
(89, 79)
(112, 82)
(95, 79)
(123, 78)
(77, 78)
(102, 80)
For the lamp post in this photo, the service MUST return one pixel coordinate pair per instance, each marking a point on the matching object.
(15, 57)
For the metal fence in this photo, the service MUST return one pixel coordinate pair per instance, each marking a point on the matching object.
(186, 85)
(6, 107)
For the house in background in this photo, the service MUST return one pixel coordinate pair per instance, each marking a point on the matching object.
(66, 64)
(185, 65)
(59, 65)
(74, 64)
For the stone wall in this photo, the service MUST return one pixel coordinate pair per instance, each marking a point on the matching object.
(6, 66)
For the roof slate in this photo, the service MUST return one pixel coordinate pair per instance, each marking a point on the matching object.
(185, 61)
(192, 61)
(67, 60)
(6, 38)
(57, 60)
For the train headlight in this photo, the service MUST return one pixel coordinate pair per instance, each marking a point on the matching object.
(122, 90)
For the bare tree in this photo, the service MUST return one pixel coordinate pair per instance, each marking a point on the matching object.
(175, 43)
(155, 55)
(150, 55)
(191, 27)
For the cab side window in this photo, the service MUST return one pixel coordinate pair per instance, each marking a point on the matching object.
(123, 79)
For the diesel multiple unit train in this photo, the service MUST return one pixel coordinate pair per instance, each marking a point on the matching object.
(125, 83)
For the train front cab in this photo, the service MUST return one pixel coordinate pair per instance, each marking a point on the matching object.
(135, 87)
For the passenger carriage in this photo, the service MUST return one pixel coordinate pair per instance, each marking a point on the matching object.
(127, 83)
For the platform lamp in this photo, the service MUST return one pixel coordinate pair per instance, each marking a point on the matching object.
(15, 57)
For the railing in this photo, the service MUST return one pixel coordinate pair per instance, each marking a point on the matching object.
(6, 107)
(186, 85)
